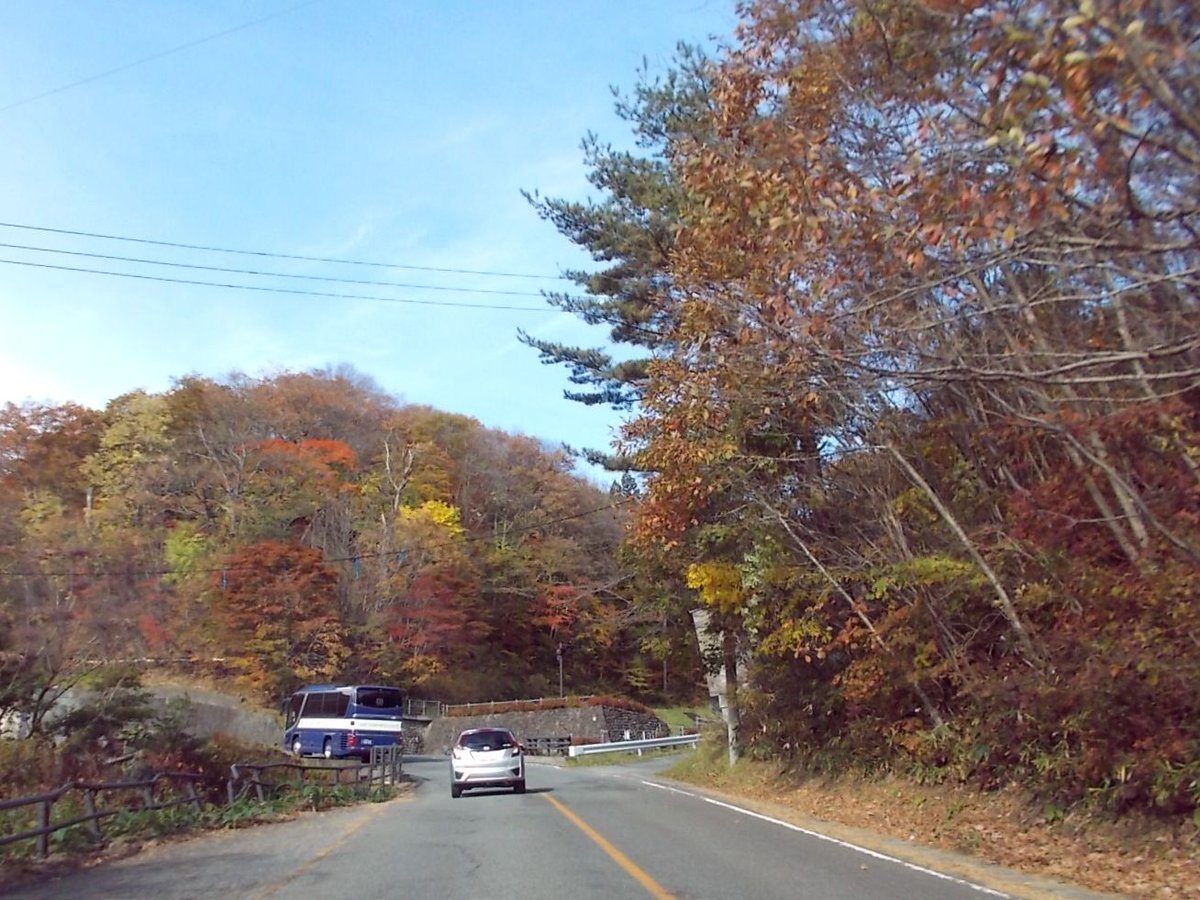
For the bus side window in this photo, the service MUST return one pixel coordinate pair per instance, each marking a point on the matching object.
(342, 702)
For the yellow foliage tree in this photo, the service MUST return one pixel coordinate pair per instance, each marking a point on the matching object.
(719, 584)
(439, 512)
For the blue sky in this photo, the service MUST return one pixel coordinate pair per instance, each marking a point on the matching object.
(393, 131)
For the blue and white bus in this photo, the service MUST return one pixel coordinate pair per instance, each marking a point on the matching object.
(335, 721)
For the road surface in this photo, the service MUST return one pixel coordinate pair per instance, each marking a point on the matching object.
(617, 833)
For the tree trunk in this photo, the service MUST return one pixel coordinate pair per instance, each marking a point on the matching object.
(732, 711)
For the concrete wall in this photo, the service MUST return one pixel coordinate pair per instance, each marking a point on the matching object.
(213, 712)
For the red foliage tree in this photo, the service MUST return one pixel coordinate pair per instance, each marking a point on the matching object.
(278, 605)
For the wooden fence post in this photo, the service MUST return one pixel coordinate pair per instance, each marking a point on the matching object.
(89, 804)
(44, 822)
(192, 795)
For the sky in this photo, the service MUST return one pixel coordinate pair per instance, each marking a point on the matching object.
(395, 132)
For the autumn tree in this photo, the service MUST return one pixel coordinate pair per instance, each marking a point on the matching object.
(278, 604)
(629, 230)
(934, 341)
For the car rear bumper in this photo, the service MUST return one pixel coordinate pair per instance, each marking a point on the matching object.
(488, 776)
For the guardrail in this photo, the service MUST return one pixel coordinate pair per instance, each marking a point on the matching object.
(682, 740)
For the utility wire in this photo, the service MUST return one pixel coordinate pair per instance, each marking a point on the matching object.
(145, 59)
(277, 290)
(179, 265)
(324, 259)
(469, 539)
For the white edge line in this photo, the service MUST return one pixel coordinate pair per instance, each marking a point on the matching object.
(832, 840)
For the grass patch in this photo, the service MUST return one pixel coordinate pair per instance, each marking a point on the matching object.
(618, 757)
(707, 765)
(685, 716)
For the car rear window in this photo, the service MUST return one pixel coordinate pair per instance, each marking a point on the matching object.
(487, 740)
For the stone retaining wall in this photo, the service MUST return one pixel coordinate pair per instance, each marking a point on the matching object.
(583, 724)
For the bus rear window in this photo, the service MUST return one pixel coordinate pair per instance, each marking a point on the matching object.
(380, 698)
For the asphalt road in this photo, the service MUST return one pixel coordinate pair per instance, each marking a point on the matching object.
(579, 833)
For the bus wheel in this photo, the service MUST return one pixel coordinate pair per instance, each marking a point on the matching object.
(297, 749)
(327, 750)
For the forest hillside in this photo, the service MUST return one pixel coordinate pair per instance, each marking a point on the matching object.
(308, 527)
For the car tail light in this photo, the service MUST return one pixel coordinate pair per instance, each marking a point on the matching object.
(352, 740)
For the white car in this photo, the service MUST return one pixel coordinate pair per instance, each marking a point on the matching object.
(486, 757)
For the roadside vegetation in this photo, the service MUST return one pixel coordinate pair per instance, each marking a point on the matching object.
(113, 732)
(1132, 855)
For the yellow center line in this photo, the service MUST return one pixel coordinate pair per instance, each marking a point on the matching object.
(655, 889)
(276, 886)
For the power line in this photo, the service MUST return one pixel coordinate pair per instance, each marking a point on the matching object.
(277, 290)
(263, 253)
(145, 59)
(179, 265)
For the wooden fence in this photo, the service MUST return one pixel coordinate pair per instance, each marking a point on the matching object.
(143, 789)
(383, 768)
(546, 746)
(492, 706)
